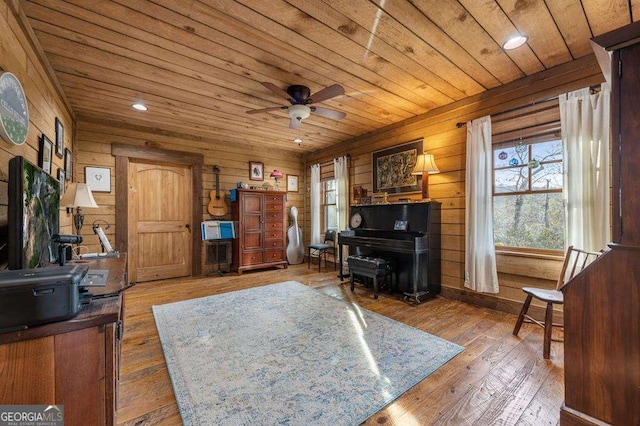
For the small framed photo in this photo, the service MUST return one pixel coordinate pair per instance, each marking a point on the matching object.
(59, 138)
(68, 163)
(46, 153)
(98, 178)
(256, 170)
(357, 192)
(365, 200)
(400, 225)
(292, 183)
(61, 179)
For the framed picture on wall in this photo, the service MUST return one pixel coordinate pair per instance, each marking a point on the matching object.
(45, 154)
(98, 178)
(357, 192)
(292, 183)
(61, 179)
(392, 168)
(68, 163)
(256, 170)
(59, 138)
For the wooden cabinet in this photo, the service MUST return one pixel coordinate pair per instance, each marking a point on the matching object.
(602, 304)
(261, 238)
(72, 363)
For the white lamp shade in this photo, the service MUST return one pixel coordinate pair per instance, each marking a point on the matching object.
(78, 195)
(425, 163)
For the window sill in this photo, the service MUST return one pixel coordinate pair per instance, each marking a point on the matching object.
(530, 255)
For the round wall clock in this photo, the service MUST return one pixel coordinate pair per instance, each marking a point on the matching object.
(356, 220)
(14, 113)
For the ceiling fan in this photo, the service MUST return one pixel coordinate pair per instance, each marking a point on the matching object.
(301, 99)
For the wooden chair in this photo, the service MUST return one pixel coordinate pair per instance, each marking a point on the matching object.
(321, 249)
(575, 261)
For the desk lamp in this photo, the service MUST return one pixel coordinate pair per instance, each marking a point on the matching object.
(78, 195)
(276, 174)
(425, 166)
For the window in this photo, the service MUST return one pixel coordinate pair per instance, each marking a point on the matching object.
(329, 218)
(528, 206)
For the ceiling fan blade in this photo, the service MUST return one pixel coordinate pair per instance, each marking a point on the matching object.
(328, 113)
(278, 91)
(294, 123)
(255, 111)
(326, 93)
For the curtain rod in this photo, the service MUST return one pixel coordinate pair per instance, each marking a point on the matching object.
(592, 89)
(462, 124)
(329, 162)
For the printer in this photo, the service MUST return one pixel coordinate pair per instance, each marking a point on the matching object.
(30, 297)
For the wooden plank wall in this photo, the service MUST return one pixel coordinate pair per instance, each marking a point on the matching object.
(94, 149)
(448, 143)
(21, 55)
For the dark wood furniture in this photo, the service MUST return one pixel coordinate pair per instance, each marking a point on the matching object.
(602, 304)
(72, 363)
(261, 238)
(575, 260)
(416, 250)
(374, 268)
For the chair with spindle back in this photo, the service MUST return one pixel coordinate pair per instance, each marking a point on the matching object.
(575, 261)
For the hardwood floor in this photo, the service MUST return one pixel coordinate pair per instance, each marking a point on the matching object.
(498, 379)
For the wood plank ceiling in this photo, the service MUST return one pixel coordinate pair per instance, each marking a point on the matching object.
(198, 65)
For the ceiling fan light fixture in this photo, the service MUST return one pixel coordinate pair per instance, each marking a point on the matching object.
(297, 140)
(514, 42)
(139, 106)
(299, 111)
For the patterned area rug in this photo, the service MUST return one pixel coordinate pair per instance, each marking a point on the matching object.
(288, 354)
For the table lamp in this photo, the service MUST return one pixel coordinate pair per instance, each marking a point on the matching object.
(425, 166)
(78, 195)
(276, 174)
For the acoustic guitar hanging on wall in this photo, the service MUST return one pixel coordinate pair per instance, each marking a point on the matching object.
(217, 206)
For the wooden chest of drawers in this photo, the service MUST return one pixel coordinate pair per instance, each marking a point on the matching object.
(261, 239)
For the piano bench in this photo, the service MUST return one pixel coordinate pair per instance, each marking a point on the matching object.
(372, 267)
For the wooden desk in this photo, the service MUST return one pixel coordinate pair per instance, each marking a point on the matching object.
(72, 363)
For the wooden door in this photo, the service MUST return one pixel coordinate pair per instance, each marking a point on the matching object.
(160, 200)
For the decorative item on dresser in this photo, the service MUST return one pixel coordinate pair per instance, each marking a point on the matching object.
(275, 175)
(261, 238)
(601, 304)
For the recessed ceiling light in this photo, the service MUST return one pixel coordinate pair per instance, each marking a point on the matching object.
(140, 106)
(514, 42)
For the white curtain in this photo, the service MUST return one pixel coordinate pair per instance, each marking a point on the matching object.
(584, 119)
(480, 272)
(315, 204)
(341, 175)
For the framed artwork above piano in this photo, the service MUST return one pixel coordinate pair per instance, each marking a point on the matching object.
(392, 168)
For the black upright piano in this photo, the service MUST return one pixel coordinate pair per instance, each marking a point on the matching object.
(415, 249)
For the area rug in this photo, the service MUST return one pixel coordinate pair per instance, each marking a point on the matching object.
(288, 354)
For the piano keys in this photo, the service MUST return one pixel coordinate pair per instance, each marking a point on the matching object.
(416, 249)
